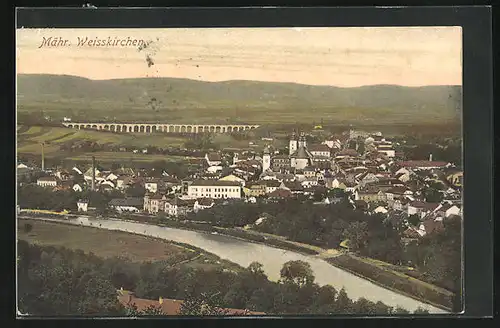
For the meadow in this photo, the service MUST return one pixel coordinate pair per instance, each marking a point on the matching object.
(110, 244)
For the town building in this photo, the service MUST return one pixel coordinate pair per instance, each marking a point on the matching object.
(214, 189)
(47, 182)
(132, 204)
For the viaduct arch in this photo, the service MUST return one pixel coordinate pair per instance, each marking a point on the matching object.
(164, 128)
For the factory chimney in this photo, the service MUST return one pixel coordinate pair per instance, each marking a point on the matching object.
(93, 173)
(43, 158)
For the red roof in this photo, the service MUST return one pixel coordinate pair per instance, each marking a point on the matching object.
(281, 193)
(169, 306)
(416, 164)
(424, 205)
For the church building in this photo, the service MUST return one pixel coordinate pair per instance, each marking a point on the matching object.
(298, 158)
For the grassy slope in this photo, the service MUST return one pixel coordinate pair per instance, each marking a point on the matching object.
(192, 101)
(107, 244)
(30, 137)
(29, 142)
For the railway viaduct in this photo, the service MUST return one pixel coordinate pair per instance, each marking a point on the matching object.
(165, 128)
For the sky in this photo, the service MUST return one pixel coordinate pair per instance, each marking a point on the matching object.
(344, 57)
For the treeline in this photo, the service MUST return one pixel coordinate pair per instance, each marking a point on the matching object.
(59, 281)
(35, 197)
(436, 255)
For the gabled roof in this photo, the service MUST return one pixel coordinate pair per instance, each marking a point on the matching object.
(424, 205)
(318, 147)
(271, 183)
(281, 193)
(301, 153)
(214, 157)
(168, 306)
(216, 183)
(132, 201)
(48, 179)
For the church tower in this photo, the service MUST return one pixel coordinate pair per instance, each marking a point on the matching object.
(302, 141)
(266, 160)
(293, 144)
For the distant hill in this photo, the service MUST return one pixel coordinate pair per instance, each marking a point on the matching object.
(179, 100)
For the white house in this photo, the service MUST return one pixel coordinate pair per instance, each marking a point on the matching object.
(203, 203)
(447, 210)
(380, 209)
(271, 185)
(107, 184)
(47, 182)
(213, 159)
(177, 207)
(421, 208)
(333, 143)
(403, 170)
(214, 169)
(127, 204)
(112, 177)
(321, 150)
(214, 189)
(82, 205)
(309, 183)
(77, 188)
(151, 186)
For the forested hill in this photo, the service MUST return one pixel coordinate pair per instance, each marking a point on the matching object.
(253, 101)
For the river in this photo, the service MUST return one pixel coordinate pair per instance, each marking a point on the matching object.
(272, 259)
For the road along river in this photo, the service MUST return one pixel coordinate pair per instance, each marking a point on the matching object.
(272, 259)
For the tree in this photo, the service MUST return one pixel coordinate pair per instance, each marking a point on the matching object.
(135, 191)
(256, 269)
(297, 272)
(433, 196)
(357, 234)
(420, 310)
(361, 148)
(206, 304)
(343, 304)
(400, 310)
(414, 220)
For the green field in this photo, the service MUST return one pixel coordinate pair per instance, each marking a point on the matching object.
(107, 243)
(123, 157)
(29, 139)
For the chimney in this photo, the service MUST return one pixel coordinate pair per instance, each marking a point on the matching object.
(93, 173)
(430, 158)
(43, 158)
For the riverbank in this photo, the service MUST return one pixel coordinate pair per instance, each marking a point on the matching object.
(241, 252)
(255, 237)
(393, 280)
(375, 271)
(354, 266)
(115, 243)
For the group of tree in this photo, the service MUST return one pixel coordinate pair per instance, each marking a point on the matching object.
(36, 197)
(447, 151)
(59, 281)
